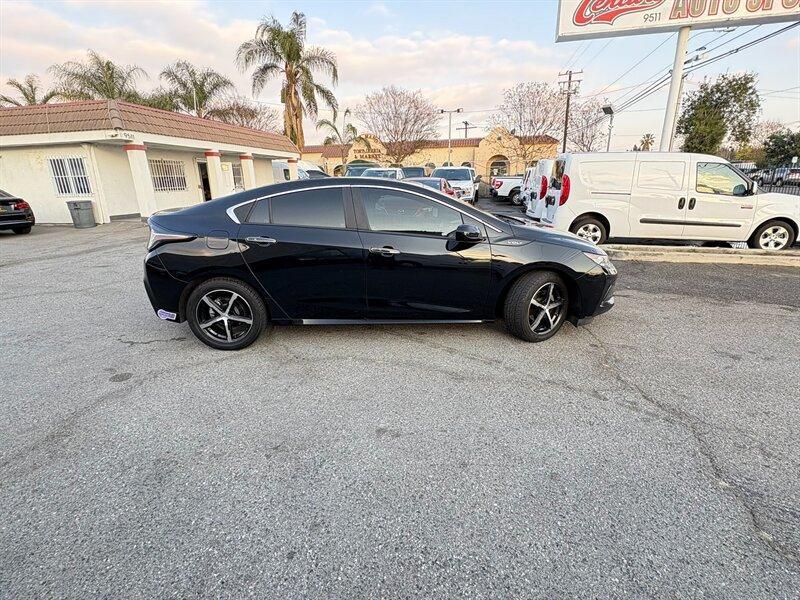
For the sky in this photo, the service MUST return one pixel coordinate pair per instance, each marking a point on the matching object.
(460, 54)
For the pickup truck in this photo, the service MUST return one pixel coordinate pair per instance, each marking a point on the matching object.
(507, 186)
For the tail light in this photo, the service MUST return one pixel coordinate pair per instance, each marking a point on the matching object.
(21, 205)
(496, 183)
(564, 189)
(449, 191)
(543, 187)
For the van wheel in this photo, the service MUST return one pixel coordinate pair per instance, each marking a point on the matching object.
(536, 306)
(515, 198)
(772, 235)
(590, 229)
(226, 314)
(22, 230)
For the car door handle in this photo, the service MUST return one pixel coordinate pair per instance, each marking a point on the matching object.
(692, 202)
(261, 241)
(681, 203)
(385, 251)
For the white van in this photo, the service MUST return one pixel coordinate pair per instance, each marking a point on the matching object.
(535, 186)
(668, 195)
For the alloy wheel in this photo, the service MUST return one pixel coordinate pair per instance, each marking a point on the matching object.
(546, 308)
(224, 315)
(590, 232)
(774, 238)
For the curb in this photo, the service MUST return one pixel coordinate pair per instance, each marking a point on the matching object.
(690, 254)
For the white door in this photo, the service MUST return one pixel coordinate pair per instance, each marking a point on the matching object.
(228, 186)
(720, 206)
(658, 198)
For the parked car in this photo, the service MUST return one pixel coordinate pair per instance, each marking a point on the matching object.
(384, 173)
(414, 172)
(507, 186)
(535, 186)
(15, 214)
(437, 183)
(356, 251)
(461, 178)
(778, 177)
(668, 195)
(313, 174)
(357, 169)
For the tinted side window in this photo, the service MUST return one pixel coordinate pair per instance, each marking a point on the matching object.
(719, 178)
(661, 175)
(322, 207)
(389, 210)
(259, 213)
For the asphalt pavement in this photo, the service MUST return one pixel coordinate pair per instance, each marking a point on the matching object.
(653, 453)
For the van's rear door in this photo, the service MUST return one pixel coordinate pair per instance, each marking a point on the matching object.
(659, 196)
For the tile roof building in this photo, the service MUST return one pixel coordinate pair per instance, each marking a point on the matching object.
(130, 160)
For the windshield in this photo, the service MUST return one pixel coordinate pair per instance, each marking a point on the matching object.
(385, 173)
(414, 171)
(453, 174)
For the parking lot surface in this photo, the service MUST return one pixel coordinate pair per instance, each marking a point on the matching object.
(652, 453)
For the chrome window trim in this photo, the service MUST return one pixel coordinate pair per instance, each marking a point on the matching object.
(383, 187)
(231, 209)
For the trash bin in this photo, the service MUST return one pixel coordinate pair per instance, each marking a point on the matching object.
(82, 213)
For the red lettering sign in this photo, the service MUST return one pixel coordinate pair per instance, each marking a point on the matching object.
(607, 11)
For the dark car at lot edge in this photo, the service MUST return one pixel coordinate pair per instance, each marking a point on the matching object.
(354, 250)
(15, 214)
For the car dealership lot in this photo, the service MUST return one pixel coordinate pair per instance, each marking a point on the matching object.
(651, 453)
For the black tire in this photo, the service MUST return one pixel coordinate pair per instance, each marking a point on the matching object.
(755, 240)
(197, 311)
(514, 197)
(518, 307)
(590, 224)
(22, 230)
(475, 198)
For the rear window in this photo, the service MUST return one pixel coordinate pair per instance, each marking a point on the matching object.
(384, 173)
(607, 175)
(311, 208)
(413, 171)
(453, 174)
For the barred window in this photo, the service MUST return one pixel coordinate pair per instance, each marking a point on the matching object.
(238, 182)
(69, 176)
(167, 175)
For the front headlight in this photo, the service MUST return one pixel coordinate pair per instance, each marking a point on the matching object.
(603, 261)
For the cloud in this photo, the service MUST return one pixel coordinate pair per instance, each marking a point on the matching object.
(378, 8)
(452, 69)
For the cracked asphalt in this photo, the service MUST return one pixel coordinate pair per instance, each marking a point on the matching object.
(652, 453)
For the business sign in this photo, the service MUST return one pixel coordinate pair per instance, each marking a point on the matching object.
(585, 19)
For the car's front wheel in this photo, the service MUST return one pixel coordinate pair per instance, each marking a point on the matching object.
(773, 235)
(226, 314)
(536, 306)
(22, 230)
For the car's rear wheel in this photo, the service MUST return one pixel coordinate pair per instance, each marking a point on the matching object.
(772, 235)
(515, 198)
(590, 229)
(22, 230)
(536, 306)
(226, 314)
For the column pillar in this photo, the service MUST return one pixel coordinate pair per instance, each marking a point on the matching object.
(292, 168)
(214, 166)
(142, 182)
(248, 171)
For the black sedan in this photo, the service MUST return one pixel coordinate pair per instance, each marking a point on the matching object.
(15, 214)
(350, 250)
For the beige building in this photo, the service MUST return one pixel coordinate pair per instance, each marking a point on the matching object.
(129, 160)
(498, 153)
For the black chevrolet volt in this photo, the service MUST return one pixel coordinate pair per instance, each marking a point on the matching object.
(359, 250)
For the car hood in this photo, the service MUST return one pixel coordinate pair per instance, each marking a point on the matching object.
(464, 184)
(541, 233)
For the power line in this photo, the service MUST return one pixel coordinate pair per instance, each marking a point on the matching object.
(636, 64)
(596, 54)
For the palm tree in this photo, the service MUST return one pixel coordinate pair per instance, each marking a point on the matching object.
(195, 91)
(647, 141)
(28, 89)
(344, 138)
(97, 79)
(279, 52)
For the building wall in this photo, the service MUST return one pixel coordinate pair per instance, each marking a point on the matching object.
(264, 172)
(25, 172)
(115, 175)
(193, 193)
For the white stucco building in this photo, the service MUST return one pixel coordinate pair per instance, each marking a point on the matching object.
(130, 160)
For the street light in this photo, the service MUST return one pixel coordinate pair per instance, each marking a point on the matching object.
(609, 110)
(450, 131)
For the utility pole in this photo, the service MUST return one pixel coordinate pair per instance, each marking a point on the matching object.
(674, 88)
(466, 127)
(567, 86)
(450, 131)
(675, 120)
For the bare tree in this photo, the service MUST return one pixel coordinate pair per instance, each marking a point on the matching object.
(237, 110)
(587, 129)
(529, 110)
(403, 120)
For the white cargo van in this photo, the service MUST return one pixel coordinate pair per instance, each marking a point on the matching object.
(535, 186)
(668, 195)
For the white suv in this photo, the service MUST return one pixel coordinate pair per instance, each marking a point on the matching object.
(460, 178)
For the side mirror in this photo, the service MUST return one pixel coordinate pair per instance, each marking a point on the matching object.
(468, 233)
